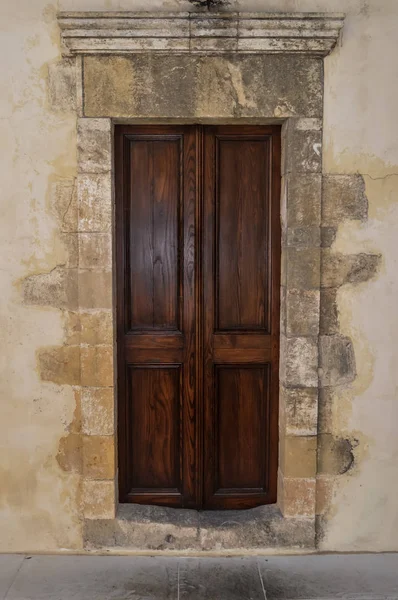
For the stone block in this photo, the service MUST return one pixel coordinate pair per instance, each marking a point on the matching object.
(325, 409)
(299, 496)
(97, 411)
(302, 312)
(304, 194)
(96, 327)
(344, 197)
(94, 145)
(62, 85)
(329, 314)
(99, 499)
(194, 86)
(303, 268)
(335, 454)
(304, 237)
(338, 269)
(95, 251)
(94, 203)
(324, 494)
(297, 456)
(302, 146)
(328, 236)
(97, 366)
(60, 364)
(95, 289)
(337, 360)
(98, 457)
(57, 288)
(63, 203)
(299, 361)
(70, 247)
(299, 410)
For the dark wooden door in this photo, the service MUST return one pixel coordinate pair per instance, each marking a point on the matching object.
(198, 271)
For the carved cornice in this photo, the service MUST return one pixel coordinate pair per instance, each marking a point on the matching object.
(313, 34)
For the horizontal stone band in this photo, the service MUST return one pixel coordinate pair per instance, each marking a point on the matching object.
(216, 33)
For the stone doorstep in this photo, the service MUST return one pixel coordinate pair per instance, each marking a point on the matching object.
(145, 528)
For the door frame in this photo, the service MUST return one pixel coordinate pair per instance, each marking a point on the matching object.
(281, 81)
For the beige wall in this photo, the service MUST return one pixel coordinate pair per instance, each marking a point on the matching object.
(39, 493)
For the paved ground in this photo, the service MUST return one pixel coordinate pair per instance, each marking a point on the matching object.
(357, 577)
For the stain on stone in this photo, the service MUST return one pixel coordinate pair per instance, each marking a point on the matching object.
(335, 454)
(209, 4)
(337, 360)
(69, 456)
(338, 269)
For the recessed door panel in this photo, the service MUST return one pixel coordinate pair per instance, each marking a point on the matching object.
(241, 238)
(154, 393)
(154, 236)
(242, 397)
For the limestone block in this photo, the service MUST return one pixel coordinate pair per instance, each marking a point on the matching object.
(329, 315)
(344, 197)
(96, 327)
(56, 288)
(62, 85)
(337, 360)
(228, 86)
(99, 499)
(324, 494)
(303, 237)
(63, 203)
(94, 145)
(94, 202)
(98, 457)
(303, 268)
(95, 250)
(338, 269)
(297, 455)
(95, 289)
(60, 364)
(299, 497)
(97, 411)
(97, 366)
(299, 361)
(299, 411)
(302, 146)
(304, 194)
(302, 312)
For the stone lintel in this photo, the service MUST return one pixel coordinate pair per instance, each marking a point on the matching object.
(199, 33)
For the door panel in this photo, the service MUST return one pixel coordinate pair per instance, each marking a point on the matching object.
(154, 234)
(155, 407)
(241, 397)
(156, 189)
(241, 258)
(198, 259)
(241, 234)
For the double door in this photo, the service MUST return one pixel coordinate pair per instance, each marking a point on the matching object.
(198, 276)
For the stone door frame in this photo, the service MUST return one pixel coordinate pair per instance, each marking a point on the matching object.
(202, 38)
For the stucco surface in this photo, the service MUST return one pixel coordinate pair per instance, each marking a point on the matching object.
(40, 505)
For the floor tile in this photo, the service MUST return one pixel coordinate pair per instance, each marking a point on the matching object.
(96, 578)
(9, 565)
(219, 579)
(330, 576)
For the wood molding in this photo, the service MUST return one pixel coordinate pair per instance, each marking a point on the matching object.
(313, 34)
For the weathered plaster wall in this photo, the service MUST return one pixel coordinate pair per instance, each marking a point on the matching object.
(40, 457)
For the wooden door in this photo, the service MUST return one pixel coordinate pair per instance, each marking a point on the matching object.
(198, 261)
